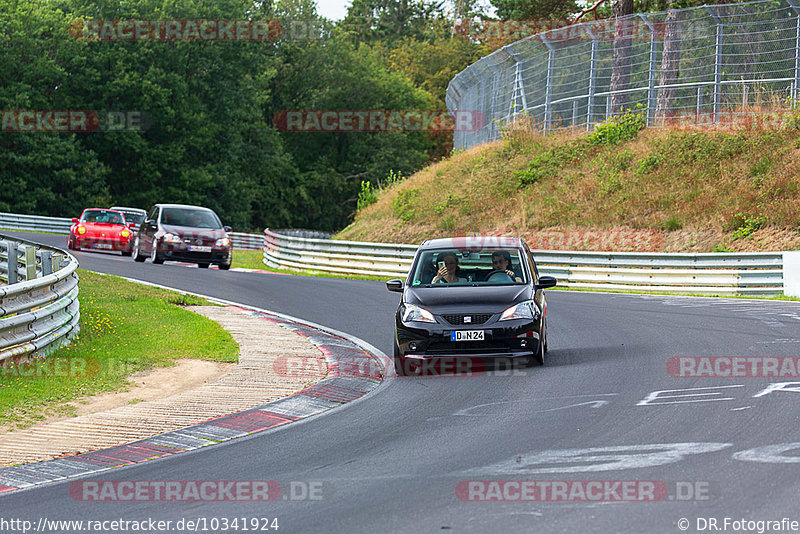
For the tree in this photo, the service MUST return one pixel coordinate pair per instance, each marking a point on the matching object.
(621, 61)
(368, 21)
(668, 72)
(534, 9)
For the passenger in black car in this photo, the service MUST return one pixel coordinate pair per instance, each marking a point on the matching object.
(448, 271)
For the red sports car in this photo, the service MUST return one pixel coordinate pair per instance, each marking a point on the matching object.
(101, 229)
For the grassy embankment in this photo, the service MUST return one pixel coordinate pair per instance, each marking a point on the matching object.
(616, 189)
(125, 328)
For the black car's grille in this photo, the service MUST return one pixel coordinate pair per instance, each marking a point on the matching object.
(458, 318)
(472, 347)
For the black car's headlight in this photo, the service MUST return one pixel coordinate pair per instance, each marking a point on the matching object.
(415, 313)
(523, 310)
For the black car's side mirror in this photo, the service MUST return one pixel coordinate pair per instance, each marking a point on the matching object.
(227, 228)
(395, 285)
(546, 281)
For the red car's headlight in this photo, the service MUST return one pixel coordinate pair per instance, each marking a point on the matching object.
(81, 230)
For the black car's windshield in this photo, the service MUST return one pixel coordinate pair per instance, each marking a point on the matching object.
(451, 267)
(103, 216)
(193, 218)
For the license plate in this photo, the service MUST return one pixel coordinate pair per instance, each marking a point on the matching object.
(198, 248)
(106, 246)
(466, 335)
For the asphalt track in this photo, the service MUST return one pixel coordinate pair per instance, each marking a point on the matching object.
(393, 461)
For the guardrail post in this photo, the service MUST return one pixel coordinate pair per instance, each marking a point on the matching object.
(13, 264)
(791, 273)
(699, 105)
(29, 260)
(548, 94)
(47, 262)
(717, 61)
(519, 88)
(592, 76)
(651, 84)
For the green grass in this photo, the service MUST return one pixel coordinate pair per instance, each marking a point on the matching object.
(685, 187)
(125, 328)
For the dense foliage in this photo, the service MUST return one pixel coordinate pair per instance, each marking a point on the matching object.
(210, 135)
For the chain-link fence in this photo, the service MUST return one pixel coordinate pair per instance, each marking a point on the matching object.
(701, 65)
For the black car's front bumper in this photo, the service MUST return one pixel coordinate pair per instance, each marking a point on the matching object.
(509, 339)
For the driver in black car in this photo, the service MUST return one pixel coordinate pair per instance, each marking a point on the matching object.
(501, 261)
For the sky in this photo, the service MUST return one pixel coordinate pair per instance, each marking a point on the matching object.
(333, 9)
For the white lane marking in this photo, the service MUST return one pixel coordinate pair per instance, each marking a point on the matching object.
(657, 396)
(595, 459)
(465, 412)
(740, 409)
(791, 387)
(770, 454)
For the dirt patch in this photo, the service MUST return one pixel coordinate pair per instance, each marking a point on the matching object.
(158, 383)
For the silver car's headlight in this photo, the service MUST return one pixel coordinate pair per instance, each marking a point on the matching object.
(415, 313)
(523, 310)
(171, 238)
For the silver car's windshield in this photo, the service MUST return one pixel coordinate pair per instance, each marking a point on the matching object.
(450, 267)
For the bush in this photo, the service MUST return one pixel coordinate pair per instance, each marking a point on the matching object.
(366, 196)
(746, 225)
(619, 128)
(650, 163)
(403, 204)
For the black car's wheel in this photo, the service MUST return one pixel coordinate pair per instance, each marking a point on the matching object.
(137, 253)
(545, 336)
(203, 265)
(399, 361)
(224, 266)
(540, 349)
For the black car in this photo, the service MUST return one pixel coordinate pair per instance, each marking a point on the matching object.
(177, 232)
(479, 298)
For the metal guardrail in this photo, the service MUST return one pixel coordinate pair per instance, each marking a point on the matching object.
(60, 225)
(39, 308)
(37, 223)
(723, 273)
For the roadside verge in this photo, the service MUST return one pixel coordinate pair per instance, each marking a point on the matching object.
(354, 369)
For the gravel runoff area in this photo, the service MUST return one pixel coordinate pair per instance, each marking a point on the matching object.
(250, 383)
